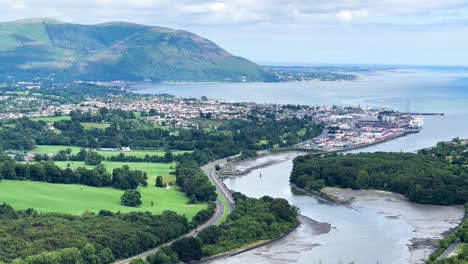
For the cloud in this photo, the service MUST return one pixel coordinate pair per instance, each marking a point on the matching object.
(230, 11)
(292, 29)
(348, 15)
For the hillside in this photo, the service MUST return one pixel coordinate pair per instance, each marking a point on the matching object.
(47, 48)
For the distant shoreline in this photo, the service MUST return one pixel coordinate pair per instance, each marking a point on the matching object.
(132, 83)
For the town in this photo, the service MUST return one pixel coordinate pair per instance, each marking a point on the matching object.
(344, 127)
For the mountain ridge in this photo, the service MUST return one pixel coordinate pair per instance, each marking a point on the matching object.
(116, 51)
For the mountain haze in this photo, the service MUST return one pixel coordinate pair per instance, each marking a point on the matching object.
(48, 48)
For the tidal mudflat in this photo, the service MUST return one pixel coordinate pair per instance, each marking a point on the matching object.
(374, 227)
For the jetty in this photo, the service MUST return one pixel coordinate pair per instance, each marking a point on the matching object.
(428, 114)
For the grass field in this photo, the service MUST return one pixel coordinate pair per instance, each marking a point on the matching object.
(51, 119)
(95, 125)
(76, 199)
(302, 132)
(47, 149)
(140, 153)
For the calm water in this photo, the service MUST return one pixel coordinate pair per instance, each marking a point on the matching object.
(425, 90)
(363, 236)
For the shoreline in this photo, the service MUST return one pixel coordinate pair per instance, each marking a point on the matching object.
(254, 244)
(320, 228)
(293, 152)
(428, 229)
(426, 232)
(133, 83)
(269, 162)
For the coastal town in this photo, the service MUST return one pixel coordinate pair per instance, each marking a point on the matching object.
(345, 127)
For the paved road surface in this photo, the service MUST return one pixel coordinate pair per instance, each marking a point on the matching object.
(450, 250)
(211, 171)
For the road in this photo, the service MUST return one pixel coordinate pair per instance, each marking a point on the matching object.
(450, 250)
(210, 170)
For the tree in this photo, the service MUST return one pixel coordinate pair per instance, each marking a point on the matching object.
(282, 209)
(137, 261)
(106, 256)
(210, 234)
(168, 156)
(188, 249)
(22, 171)
(81, 156)
(88, 253)
(159, 258)
(363, 179)
(70, 255)
(37, 172)
(131, 198)
(8, 171)
(159, 182)
(93, 158)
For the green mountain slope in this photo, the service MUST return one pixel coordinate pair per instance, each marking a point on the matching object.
(48, 48)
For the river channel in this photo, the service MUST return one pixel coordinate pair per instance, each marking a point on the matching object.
(378, 227)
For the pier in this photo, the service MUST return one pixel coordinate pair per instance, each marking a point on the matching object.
(428, 114)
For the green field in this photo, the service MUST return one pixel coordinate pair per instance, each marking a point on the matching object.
(76, 199)
(140, 153)
(48, 149)
(95, 125)
(302, 132)
(51, 119)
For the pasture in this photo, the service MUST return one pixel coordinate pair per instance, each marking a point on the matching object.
(76, 199)
(49, 149)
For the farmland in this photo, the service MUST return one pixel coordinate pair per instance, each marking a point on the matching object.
(51, 119)
(49, 149)
(76, 199)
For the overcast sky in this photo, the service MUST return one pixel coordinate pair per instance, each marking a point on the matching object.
(433, 32)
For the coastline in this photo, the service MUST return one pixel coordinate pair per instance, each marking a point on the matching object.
(319, 227)
(430, 223)
(291, 151)
(428, 228)
(243, 167)
(133, 83)
(248, 247)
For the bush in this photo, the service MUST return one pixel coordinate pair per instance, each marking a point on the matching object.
(188, 249)
(131, 198)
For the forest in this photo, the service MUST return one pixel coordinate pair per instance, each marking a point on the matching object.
(252, 220)
(46, 171)
(421, 178)
(193, 182)
(124, 131)
(94, 238)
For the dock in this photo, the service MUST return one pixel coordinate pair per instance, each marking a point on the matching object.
(428, 114)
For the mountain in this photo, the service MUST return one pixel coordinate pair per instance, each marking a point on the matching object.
(47, 48)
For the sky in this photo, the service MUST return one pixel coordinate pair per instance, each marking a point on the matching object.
(407, 32)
